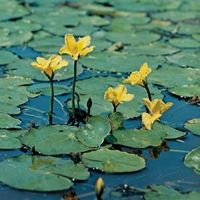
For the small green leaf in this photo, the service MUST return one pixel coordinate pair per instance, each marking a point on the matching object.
(193, 126)
(94, 132)
(192, 160)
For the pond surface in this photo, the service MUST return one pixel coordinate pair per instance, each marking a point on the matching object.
(126, 33)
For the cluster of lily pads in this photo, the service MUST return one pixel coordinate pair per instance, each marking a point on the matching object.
(165, 38)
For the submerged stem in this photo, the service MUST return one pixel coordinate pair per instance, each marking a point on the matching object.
(51, 102)
(73, 89)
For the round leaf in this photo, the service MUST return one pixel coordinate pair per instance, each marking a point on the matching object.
(61, 137)
(113, 161)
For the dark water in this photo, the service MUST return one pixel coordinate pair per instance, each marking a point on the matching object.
(168, 168)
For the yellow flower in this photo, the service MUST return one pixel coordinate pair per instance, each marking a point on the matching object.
(49, 66)
(138, 77)
(117, 95)
(148, 120)
(76, 48)
(157, 106)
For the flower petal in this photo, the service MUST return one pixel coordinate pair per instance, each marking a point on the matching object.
(83, 42)
(85, 51)
(70, 42)
(145, 70)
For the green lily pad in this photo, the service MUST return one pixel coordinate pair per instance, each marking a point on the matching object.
(118, 62)
(13, 81)
(184, 43)
(13, 94)
(184, 76)
(171, 133)
(20, 25)
(144, 138)
(24, 68)
(113, 161)
(185, 59)
(9, 139)
(61, 137)
(153, 49)
(185, 90)
(94, 20)
(47, 45)
(161, 192)
(12, 9)
(9, 109)
(94, 132)
(192, 160)
(176, 15)
(64, 16)
(193, 126)
(124, 24)
(138, 38)
(15, 38)
(8, 122)
(7, 57)
(136, 138)
(38, 173)
(134, 108)
(44, 89)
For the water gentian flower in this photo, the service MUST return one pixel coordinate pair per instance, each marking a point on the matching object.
(76, 48)
(49, 66)
(117, 95)
(138, 77)
(148, 119)
(157, 106)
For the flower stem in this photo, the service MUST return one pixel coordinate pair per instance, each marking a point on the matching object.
(73, 89)
(51, 102)
(147, 90)
(114, 107)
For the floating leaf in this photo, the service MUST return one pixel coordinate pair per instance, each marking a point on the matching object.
(184, 76)
(138, 38)
(185, 59)
(153, 49)
(37, 173)
(193, 126)
(176, 15)
(118, 62)
(160, 192)
(15, 38)
(94, 132)
(113, 161)
(12, 9)
(185, 90)
(9, 139)
(184, 43)
(8, 122)
(7, 57)
(192, 160)
(144, 138)
(61, 137)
